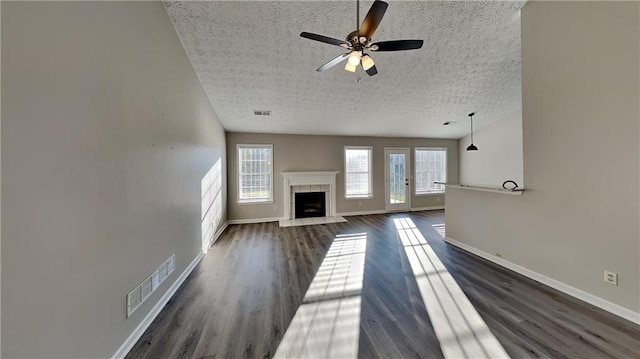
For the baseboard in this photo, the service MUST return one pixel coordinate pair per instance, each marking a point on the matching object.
(361, 213)
(431, 208)
(382, 211)
(218, 233)
(148, 319)
(343, 214)
(254, 220)
(565, 288)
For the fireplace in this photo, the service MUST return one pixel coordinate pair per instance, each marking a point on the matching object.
(310, 204)
(308, 182)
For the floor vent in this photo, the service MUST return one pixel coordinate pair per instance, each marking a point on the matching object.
(140, 293)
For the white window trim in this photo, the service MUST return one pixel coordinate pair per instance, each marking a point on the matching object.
(370, 177)
(252, 201)
(415, 169)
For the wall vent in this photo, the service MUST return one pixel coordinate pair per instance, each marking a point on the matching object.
(262, 112)
(140, 293)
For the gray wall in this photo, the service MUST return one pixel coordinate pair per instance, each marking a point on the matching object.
(106, 135)
(581, 103)
(499, 157)
(317, 153)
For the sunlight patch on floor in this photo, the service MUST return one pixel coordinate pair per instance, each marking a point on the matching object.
(440, 228)
(460, 330)
(327, 324)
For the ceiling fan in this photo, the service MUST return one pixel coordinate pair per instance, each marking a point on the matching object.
(359, 41)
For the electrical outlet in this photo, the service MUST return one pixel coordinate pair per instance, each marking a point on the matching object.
(611, 277)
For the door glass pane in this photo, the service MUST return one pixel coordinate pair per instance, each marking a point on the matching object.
(397, 192)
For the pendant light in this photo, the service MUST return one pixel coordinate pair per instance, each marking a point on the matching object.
(472, 147)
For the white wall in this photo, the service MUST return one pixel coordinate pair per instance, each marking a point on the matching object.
(581, 105)
(499, 155)
(106, 135)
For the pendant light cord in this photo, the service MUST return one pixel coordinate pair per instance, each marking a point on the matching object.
(472, 147)
(471, 129)
(471, 116)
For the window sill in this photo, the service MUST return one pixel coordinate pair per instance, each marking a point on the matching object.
(358, 197)
(264, 201)
(430, 194)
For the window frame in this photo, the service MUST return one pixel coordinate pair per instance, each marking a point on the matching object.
(239, 174)
(369, 172)
(415, 170)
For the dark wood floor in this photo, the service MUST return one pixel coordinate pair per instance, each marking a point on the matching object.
(242, 297)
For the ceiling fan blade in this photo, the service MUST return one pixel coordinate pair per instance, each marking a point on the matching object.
(325, 39)
(373, 18)
(396, 45)
(331, 63)
(372, 70)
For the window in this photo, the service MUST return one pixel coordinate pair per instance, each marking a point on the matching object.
(431, 166)
(357, 173)
(255, 173)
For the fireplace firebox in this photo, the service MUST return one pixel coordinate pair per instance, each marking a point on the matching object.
(310, 204)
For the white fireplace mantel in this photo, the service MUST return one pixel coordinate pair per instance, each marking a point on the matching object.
(310, 178)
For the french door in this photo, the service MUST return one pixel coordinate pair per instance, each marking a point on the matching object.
(397, 179)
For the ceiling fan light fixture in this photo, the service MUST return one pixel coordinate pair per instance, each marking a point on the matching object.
(354, 58)
(360, 40)
(367, 62)
(349, 67)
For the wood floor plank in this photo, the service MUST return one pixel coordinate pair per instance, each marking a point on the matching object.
(240, 300)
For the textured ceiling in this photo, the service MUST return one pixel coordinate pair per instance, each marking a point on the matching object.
(249, 56)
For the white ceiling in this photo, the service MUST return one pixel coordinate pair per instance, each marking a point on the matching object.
(249, 56)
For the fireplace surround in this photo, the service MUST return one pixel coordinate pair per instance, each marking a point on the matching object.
(304, 182)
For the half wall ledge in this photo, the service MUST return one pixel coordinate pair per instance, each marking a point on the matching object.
(513, 192)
